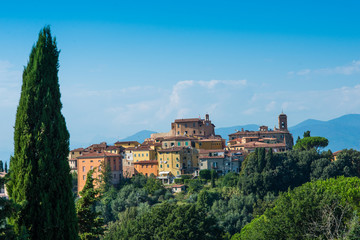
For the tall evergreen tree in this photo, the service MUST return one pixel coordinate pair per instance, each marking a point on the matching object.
(6, 168)
(40, 178)
(90, 224)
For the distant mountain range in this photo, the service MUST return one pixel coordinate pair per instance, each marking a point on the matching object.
(139, 136)
(342, 132)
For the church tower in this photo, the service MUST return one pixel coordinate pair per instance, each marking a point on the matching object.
(283, 122)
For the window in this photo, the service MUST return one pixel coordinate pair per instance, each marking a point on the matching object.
(168, 165)
(194, 125)
(177, 165)
(91, 167)
(142, 155)
(194, 131)
(186, 132)
(91, 160)
(179, 143)
(160, 165)
(186, 143)
(178, 133)
(83, 168)
(135, 155)
(114, 175)
(178, 173)
(147, 154)
(186, 125)
(84, 177)
(99, 168)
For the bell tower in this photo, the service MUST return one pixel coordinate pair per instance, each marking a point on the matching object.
(283, 122)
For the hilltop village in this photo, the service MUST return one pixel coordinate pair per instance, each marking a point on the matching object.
(189, 147)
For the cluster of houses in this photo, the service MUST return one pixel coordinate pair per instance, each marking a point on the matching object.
(189, 147)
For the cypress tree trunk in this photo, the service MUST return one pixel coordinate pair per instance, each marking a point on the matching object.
(40, 178)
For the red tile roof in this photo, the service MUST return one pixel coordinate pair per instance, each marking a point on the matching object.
(188, 120)
(173, 149)
(147, 162)
(99, 155)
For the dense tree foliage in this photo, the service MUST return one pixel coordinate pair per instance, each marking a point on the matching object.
(40, 180)
(308, 143)
(277, 172)
(317, 210)
(167, 221)
(141, 191)
(7, 208)
(205, 174)
(90, 224)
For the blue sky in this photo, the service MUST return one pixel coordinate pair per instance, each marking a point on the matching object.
(126, 66)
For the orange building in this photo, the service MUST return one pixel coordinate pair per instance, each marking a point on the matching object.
(93, 161)
(147, 167)
(145, 161)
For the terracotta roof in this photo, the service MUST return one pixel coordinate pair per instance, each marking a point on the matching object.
(337, 152)
(77, 150)
(210, 139)
(99, 155)
(126, 142)
(259, 144)
(142, 148)
(188, 120)
(259, 132)
(169, 138)
(202, 151)
(206, 156)
(173, 149)
(147, 162)
(113, 147)
(177, 185)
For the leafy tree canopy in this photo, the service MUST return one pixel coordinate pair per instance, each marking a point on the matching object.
(308, 143)
(317, 210)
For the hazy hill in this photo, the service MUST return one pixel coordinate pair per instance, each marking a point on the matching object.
(139, 136)
(342, 132)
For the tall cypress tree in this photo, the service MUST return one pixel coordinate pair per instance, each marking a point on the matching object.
(90, 224)
(40, 178)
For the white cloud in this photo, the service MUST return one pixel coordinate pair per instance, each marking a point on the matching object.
(303, 72)
(352, 68)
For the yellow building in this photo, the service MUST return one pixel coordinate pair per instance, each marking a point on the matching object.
(143, 154)
(177, 141)
(175, 161)
(114, 149)
(210, 144)
(127, 144)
